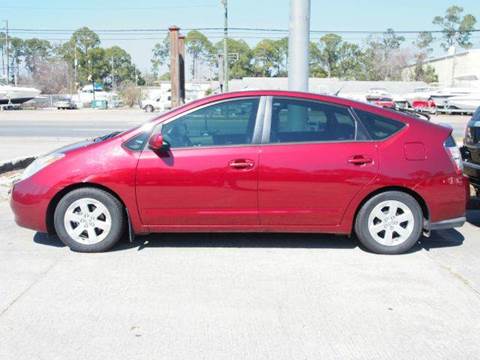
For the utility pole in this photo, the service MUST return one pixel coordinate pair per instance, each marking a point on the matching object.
(7, 52)
(75, 63)
(181, 65)
(453, 52)
(225, 46)
(174, 66)
(298, 44)
(112, 73)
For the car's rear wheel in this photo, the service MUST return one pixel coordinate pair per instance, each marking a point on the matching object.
(89, 220)
(149, 108)
(389, 223)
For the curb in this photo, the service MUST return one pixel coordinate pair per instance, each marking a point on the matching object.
(16, 164)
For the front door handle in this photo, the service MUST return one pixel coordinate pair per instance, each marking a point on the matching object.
(241, 164)
(360, 160)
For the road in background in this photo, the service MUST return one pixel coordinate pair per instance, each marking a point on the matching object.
(34, 132)
(87, 122)
(69, 123)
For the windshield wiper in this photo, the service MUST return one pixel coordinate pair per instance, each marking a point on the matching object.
(106, 137)
(417, 114)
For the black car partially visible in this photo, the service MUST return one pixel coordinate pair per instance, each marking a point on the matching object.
(471, 151)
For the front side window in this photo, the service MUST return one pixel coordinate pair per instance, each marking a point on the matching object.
(309, 121)
(378, 127)
(222, 124)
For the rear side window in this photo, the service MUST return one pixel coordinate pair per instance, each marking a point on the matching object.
(379, 127)
(310, 121)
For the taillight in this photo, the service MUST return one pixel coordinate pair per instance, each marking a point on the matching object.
(454, 153)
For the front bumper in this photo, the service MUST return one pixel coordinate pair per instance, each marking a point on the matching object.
(29, 203)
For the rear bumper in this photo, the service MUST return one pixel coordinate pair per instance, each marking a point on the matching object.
(445, 224)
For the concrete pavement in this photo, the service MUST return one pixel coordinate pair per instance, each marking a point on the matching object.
(239, 296)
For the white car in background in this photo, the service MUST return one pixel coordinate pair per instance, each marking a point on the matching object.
(156, 104)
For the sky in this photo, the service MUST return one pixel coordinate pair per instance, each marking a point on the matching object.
(160, 14)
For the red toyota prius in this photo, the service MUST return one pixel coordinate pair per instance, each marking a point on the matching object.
(256, 161)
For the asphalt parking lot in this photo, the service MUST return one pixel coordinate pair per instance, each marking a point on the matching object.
(239, 296)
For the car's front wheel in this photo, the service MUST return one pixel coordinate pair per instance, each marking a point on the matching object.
(389, 223)
(89, 220)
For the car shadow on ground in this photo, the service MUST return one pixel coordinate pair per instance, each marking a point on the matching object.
(473, 217)
(440, 239)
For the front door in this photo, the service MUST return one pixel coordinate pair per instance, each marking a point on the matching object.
(314, 160)
(210, 174)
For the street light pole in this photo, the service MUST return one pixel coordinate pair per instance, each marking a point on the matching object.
(112, 75)
(7, 54)
(298, 44)
(225, 46)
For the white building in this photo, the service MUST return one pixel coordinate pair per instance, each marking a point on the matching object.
(460, 70)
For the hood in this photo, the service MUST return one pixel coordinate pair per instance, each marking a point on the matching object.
(84, 143)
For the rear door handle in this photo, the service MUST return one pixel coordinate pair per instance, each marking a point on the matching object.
(241, 164)
(360, 160)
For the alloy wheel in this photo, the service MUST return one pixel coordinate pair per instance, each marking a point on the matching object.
(87, 221)
(391, 223)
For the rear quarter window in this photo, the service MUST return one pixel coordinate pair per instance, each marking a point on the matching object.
(378, 127)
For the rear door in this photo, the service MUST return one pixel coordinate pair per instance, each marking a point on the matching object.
(314, 158)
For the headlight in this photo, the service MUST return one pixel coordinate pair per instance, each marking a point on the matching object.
(40, 163)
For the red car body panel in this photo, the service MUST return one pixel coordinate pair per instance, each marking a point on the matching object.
(197, 187)
(303, 187)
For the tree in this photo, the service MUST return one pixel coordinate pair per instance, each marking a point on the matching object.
(424, 73)
(329, 52)
(457, 30)
(391, 41)
(241, 65)
(130, 94)
(36, 51)
(51, 76)
(85, 39)
(15, 53)
(350, 62)
(268, 58)
(199, 48)
(161, 55)
(337, 58)
(78, 51)
(423, 44)
(315, 61)
(120, 66)
(383, 58)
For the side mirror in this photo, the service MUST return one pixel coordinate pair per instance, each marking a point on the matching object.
(156, 143)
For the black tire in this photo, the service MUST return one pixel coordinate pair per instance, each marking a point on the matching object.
(115, 208)
(149, 108)
(364, 235)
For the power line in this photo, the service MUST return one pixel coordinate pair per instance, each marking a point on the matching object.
(246, 29)
(109, 8)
